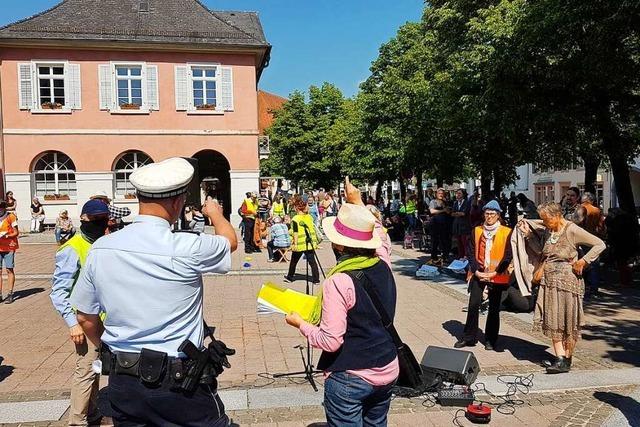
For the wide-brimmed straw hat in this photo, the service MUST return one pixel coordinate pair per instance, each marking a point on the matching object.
(353, 227)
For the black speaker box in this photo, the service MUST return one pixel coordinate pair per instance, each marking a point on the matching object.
(450, 365)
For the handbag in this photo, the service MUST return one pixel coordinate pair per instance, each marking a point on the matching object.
(410, 371)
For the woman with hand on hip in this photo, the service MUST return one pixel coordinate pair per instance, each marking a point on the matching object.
(559, 313)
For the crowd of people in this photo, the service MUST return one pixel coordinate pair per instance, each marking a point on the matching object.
(533, 258)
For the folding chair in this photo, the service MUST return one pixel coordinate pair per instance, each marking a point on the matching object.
(283, 254)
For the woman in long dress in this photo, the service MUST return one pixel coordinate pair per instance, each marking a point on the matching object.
(559, 313)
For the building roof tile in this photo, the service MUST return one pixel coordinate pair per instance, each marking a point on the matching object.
(153, 21)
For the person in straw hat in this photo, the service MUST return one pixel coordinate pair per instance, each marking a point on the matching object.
(359, 358)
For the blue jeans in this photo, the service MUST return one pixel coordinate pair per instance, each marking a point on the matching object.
(351, 401)
(592, 278)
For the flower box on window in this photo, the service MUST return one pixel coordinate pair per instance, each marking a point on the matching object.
(51, 197)
(206, 107)
(130, 196)
(129, 106)
(51, 106)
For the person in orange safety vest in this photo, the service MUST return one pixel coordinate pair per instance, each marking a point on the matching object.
(489, 259)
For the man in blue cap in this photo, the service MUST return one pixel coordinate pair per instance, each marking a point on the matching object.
(489, 259)
(70, 259)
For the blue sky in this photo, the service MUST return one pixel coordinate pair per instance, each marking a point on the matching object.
(313, 40)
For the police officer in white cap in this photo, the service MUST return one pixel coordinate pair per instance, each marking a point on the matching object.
(148, 281)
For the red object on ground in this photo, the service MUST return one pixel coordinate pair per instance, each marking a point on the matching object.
(480, 414)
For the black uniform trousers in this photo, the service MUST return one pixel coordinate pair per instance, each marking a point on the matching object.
(492, 327)
(440, 239)
(133, 404)
(311, 257)
(249, 224)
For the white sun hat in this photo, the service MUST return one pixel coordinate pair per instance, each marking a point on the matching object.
(354, 227)
(162, 180)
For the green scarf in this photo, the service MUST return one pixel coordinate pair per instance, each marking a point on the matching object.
(349, 264)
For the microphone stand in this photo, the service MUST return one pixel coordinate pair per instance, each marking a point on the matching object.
(307, 360)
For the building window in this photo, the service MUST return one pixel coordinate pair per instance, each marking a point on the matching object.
(124, 167)
(54, 176)
(204, 82)
(544, 193)
(129, 85)
(51, 84)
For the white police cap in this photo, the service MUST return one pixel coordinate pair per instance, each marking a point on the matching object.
(162, 180)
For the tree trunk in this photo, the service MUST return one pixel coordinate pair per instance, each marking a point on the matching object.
(591, 165)
(379, 190)
(419, 191)
(620, 171)
(485, 186)
(403, 188)
(498, 183)
(617, 149)
(439, 183)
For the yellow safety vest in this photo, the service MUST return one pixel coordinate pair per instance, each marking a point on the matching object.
(278, 209)
(302, 222)
(251, 207)
(81, 247)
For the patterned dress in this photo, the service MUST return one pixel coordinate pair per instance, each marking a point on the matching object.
(559, 313)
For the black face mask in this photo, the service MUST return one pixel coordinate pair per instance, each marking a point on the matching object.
(93, 230)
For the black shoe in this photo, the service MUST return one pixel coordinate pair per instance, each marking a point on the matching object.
(9, 299)
(548, 363)
(287, 279)
(462, 343)
(561, 365)
(488, 346)
(0, 298)
(316, 282)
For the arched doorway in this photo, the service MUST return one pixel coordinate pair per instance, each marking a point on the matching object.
(215, 180)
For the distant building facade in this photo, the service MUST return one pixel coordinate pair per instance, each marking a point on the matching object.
(90, 91)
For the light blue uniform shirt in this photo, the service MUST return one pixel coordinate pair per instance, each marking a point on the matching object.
(149, 282)
(67, 264)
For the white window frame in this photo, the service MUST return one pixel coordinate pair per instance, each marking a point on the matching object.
(144, 108)
(127, 171)
(217, 79)
(36, 83)
(55, 171)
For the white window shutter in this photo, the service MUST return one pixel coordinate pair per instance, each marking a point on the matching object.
(74, 87)
(106, 86)
(182, 87)
(153, 99)
(26, 86)
(227, 88)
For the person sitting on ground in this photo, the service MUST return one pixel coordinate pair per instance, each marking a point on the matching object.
(198, 221)
(64, 227)
(37, 216)
(278, 238)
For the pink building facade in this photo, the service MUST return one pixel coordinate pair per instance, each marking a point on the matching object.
(84, 105)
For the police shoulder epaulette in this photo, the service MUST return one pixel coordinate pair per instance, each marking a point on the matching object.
(197, 233)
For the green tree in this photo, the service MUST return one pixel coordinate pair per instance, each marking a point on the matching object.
(299, 138)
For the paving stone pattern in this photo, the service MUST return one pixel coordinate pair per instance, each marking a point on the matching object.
(37, 354)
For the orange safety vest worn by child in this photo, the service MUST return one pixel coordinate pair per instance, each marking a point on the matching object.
(8, 244)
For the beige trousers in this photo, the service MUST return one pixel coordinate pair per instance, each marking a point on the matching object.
(84, 389)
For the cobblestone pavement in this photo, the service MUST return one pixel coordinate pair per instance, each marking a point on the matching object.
(37, 362)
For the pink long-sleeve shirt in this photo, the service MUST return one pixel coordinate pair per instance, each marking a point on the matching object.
(338, 297)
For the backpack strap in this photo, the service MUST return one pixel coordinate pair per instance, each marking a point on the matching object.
(359, 277)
